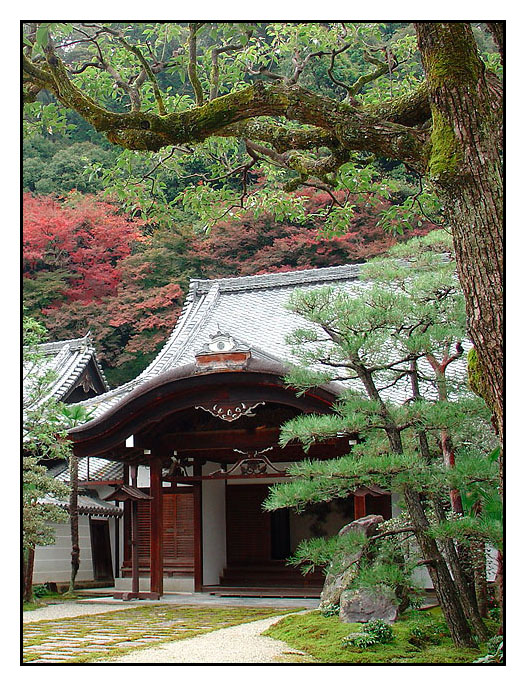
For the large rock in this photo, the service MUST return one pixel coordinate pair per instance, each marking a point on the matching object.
(364, 604)
(342, 571)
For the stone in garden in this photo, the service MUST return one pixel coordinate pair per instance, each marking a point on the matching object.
(341, 572)
(364, 604)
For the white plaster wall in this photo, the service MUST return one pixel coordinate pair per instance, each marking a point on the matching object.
(214, 528)
(143, 476)
(53, 562)
(214, 531)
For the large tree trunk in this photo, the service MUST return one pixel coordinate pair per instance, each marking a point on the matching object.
(466, 168)
(447, 593)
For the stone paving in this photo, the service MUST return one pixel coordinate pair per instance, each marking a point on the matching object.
(91, 637)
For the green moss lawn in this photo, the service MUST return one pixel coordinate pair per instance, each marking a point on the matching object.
(321, 638)
(90, 638)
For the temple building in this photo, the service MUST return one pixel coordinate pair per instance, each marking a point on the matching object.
(77, 376)
(186, 451)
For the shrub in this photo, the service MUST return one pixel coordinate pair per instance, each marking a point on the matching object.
(41, 590)
(423, 635)
(380, 630)
(359, 640)
(331, 610)
(495, 654)
(374, 632)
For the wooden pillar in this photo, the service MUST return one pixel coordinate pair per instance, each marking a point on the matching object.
(198, 529)
(156, 526)
(117, 544)
(359, 506)
(134, 536)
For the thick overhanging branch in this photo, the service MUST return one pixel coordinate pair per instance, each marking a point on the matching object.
(329, 123)
(381, 69)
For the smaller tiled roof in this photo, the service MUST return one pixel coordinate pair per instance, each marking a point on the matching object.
(67, 360)
(87, 505)
(91, 469)
(125, 492)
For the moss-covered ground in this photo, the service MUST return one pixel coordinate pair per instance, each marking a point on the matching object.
(321, 638)
(43, 601)
(104, 636)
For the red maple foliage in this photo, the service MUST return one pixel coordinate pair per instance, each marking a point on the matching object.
(262, 245)
(83, 270)
(87, 265)
(85, 236)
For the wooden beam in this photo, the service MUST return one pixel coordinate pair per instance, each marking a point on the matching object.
(224, 476)
(206, 440)
(156, 527)
(117, 525)
(359, 506)
(113, 482)
(218, 445)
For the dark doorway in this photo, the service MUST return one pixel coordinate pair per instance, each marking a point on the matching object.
(279, 534)
(101, 549)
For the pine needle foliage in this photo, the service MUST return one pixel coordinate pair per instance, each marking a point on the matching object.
(395, 344)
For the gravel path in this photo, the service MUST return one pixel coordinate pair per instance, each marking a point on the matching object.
(241, 644)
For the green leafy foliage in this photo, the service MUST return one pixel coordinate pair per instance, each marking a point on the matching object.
(331, 610)
(495, 654)
(44, 440)
(374, 632)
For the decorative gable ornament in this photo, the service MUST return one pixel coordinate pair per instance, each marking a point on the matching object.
(222, 353)
(230, 412)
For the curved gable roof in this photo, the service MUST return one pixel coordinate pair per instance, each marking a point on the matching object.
(252, 309)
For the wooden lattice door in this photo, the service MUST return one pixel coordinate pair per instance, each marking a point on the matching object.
(178, 533)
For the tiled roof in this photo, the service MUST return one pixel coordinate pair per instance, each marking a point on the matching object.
(67, 360)
(125, 492)
(252, 310)
(88, 505)
(91, 469)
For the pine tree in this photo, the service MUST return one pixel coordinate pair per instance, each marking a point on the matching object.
(402, 330)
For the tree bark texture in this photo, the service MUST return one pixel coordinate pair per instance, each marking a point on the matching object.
(74, 520)
(481, 585)
(445, 588)
(466, 168)
(29, 565)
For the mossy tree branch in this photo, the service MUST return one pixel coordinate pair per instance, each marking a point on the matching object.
(351, 127)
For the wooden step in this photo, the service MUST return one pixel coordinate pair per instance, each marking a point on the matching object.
(269, 576)
(262, 592)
